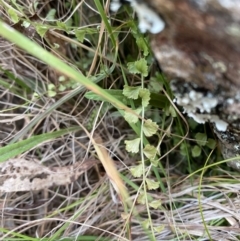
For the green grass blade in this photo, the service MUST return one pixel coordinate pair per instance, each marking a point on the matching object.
(55, 105)
(32, 48)
(17, 80)
(15, 149)
(156, 100)
(18, 235)
(105, 20)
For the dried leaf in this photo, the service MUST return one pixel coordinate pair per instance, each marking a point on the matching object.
(22, 175)
(110, 169)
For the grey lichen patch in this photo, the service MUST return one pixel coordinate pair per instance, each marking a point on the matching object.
(174, 62)
(148, 19)
(198, 105)
(196, 100)
(237, 147)
(230, 147)
(230, 4)
(234, 30)
(115, 5)
(203, 118)
(220, 66)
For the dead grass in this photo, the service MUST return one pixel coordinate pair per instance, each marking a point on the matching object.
(200, 206)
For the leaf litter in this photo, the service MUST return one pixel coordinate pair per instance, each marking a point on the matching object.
(55, 190)
(23, 175)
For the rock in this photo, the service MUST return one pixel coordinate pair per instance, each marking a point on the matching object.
(199, 52)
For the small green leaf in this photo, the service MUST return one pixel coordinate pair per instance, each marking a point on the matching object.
(130, 117)
(51, 87)
(137, 171)
(211, 143)
(172, 111)
(150, 151)
(13, 15)
(192, 123)
(35, 5)
(15, 149)
(80, 34)
(52, 90)
(155, 204)
(132, 68)
(154, 161)
(142, 67)
(196, 151)
(141, 198)
(35, 95)
(145, 95)
(62, 26)
(150, 128)
(201, 139)
(155, 86)
(56, 46)
(131, 92)
(51, 15)
(61, 78)
(52, 93)
(62, 87)
(25, 24)
(159, 229)
(133, 145)
(146, 224)
(41, 29)
(141, 43)
(151, 184)
(138, 67)
(184, 147)
(69, 22)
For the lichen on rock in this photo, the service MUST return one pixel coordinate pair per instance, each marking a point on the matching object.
(197, 48)
(198, 105)
(199, 53)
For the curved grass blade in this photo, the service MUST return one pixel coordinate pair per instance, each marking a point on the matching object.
(33, 48)
(12, 150)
